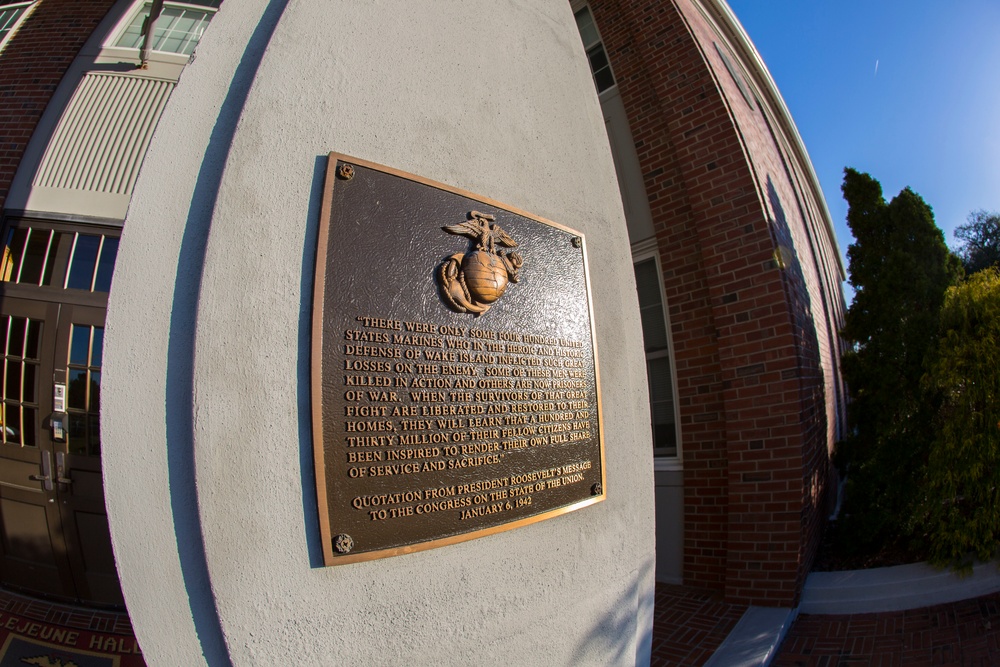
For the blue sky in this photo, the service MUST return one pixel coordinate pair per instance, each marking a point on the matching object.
(928, 117)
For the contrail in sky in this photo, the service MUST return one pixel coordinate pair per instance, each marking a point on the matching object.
(876, 67)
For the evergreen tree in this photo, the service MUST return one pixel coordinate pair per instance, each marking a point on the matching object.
(900, 269)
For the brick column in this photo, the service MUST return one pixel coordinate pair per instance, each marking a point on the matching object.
(753, 419)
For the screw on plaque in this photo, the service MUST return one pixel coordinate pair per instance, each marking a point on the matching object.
(576, 241)
(343, 543)
(596, 489)
(346, 172)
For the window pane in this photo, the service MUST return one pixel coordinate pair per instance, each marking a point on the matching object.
(604, 79)
(34, 257)
(34, 339)
(95, 435)
(660, 387)
(30, 372)
(598, 59)
(664, 440)
(661, 406)
(176, 28)
(654, 328)
(95, 391)
(77, 392)
(97, 354)
(77, 434)
(12, 253)
(585, 23)
(647, 283)
(601, 68)
(79, 345)
(81, 270)
(132, 37)
(13, 386)
(106, 265)
(12, 424)
(62, 239)
(15, 343)
(28, 430)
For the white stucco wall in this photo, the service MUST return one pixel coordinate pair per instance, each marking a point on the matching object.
(206, 415)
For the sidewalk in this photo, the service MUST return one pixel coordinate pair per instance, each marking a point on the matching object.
(957, 633)
(690, 625)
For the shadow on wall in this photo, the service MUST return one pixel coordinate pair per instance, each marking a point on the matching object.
(180, 362)
(815, 464)
(304, 370)
(616, 639)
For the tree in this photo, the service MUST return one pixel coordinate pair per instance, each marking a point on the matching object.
(900, 268)
(982, 241)
(962, 487)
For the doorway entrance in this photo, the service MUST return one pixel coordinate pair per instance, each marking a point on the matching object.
(54, 536)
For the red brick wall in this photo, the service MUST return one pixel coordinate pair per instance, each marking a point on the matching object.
(756, 354)
(31, 65)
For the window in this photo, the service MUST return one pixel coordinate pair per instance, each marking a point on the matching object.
(656, 340)
(178, 28)
(600, 66)
(83, 396)
(11, 15)
(64, 259)
(20, 365)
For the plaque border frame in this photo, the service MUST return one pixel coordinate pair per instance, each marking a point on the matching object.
(316, 373)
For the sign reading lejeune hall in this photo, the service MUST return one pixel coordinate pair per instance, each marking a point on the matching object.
(455, 375)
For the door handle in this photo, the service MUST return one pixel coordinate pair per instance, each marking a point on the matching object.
(46, 476)
(61, 477)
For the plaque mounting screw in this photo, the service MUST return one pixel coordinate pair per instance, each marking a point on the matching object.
(343, 543)
(346, 172)
(596, 489)
(576, 241)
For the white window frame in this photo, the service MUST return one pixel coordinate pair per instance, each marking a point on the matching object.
(128, 17)
(641, 252)
(576, 6)
(28, 6)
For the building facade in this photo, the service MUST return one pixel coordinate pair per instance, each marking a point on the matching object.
(728, 223)
(734, 256)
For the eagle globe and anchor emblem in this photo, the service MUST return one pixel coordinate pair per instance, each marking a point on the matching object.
(472, 282)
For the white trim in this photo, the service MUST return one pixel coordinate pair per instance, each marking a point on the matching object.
(669, 463)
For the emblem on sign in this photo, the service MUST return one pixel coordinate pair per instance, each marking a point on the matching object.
(472, 282)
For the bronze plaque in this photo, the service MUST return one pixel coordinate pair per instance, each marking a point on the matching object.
(455, 382)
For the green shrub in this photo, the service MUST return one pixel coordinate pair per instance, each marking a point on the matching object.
(962, 491)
